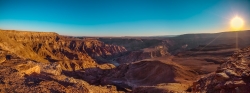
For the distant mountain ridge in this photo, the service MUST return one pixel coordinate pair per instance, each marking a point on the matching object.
(194, 40)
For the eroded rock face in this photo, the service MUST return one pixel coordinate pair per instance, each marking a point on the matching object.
(23, 76)
(37, 62)
(146, 53)
(231, 77)
(132, 44)
(71, 53)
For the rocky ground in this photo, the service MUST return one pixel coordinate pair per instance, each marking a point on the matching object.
(231, 77)
(19, 75)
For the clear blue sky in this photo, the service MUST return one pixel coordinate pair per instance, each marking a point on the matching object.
(122, 17)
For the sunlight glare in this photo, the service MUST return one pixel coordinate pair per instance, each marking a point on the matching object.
(237, 23)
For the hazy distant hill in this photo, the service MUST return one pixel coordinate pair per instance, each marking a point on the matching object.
(229, 38)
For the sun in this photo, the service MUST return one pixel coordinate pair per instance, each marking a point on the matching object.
(237, 23)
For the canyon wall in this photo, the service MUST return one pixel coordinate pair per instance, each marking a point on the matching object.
(72, 53)
(146, 53)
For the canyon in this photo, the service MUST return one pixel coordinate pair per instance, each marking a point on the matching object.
(49, 62)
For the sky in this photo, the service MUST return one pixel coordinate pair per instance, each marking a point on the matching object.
(122, 17)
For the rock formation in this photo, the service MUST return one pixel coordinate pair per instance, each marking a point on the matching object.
(71, 53)
(39, 61)
(132, 44)
(146, 53)
(22, 76)
(231, 77)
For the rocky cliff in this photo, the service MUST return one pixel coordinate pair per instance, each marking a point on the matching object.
(132, 44)
(146, 53)
(71, 53)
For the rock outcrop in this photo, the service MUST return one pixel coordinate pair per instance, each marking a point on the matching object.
(28, 68)
(146, 53)
(231, 77)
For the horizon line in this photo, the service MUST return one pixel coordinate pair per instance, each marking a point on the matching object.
(123, 36)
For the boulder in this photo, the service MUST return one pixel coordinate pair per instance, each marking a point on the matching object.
(231, 73)
(27, 69)
(2, 59)
(54, 69)
(221, 76)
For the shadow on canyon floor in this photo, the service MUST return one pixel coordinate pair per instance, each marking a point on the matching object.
(34, 79)
(94, 76)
